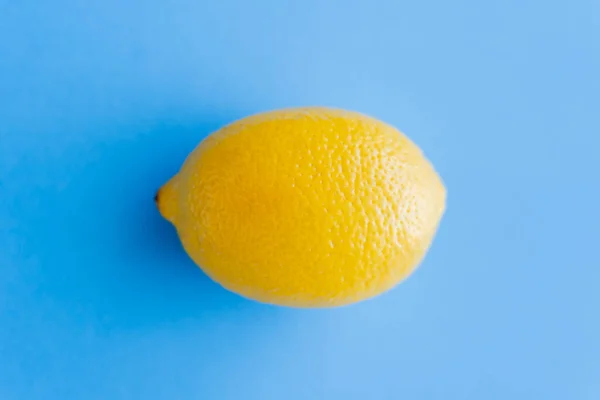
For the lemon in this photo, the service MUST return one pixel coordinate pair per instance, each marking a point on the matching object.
(306, 207)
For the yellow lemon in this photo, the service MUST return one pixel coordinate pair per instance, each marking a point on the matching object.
(306, 207)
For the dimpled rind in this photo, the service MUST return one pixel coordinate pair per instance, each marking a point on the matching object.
(306, 207)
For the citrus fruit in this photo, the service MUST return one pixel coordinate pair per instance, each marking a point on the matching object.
(306, 207)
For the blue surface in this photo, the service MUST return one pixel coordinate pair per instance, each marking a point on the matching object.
(100, 101)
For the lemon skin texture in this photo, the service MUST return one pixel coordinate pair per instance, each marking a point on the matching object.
(306, 207)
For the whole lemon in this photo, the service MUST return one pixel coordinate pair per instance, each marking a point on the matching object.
(306, 207)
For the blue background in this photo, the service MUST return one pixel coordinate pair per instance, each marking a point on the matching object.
(101, 100)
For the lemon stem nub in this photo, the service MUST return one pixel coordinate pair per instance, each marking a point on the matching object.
(166, 200)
